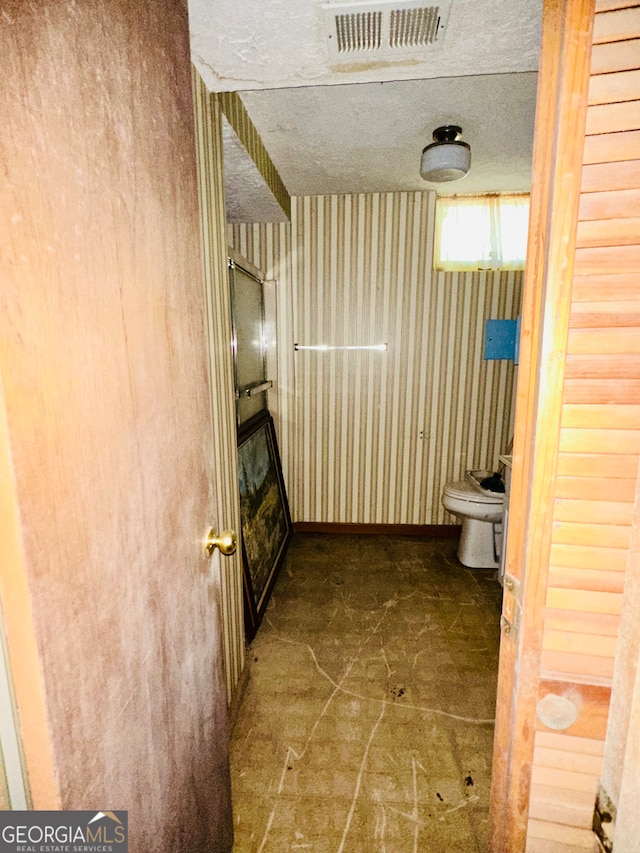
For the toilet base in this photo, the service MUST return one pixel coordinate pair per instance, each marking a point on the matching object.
(477, 546)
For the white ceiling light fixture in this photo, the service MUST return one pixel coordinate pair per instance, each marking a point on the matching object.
(447, 158)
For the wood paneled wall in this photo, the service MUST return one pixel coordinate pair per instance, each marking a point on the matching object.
(372, 437)
(599, 444)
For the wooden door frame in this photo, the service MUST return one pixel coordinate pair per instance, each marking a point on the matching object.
(557, 169)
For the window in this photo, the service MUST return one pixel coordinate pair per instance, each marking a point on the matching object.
(481, 232)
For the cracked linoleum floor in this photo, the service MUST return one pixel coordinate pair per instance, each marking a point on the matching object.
(366, 725)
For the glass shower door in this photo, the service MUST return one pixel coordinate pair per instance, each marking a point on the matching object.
(247, 301)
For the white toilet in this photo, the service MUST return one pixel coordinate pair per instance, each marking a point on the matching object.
(481, 513)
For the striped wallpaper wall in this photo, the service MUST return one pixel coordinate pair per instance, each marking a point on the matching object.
(245, 130)
(218, 301)
(371, 437)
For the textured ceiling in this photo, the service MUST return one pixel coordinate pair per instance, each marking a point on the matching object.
(361, 127)
(369, 137)
(258, 44)
(248, 198)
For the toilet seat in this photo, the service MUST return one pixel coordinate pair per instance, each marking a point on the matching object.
(464, 491)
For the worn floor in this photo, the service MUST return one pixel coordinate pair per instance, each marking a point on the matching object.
(366, 725)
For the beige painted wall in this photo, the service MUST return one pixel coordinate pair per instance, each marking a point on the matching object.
(103, 359)
(620, 776)
(372, 437)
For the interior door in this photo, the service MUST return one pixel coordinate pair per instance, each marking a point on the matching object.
(113, 611)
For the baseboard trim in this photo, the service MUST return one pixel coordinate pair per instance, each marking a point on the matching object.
(427, 531)
(234, 707)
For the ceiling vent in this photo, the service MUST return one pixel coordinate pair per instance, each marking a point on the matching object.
(384, 30)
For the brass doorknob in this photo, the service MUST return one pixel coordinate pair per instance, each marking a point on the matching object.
(226, 541)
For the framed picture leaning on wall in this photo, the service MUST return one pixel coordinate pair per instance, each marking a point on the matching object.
(264, 512)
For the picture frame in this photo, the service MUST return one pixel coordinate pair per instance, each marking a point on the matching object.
(264, 512)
